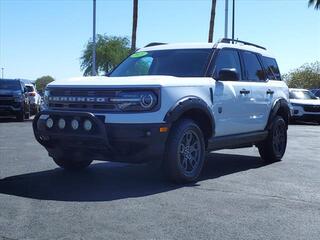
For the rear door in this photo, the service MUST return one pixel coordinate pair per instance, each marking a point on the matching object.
(231, 99)
(261, 96)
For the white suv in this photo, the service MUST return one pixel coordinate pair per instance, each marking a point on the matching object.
(169, 103)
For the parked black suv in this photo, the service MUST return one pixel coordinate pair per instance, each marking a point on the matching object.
(13, 99)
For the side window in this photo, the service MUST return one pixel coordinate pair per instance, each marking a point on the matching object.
(272, 68)
(254, 71)
(227, 58)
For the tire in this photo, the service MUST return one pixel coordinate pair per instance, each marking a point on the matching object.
(273, 148)
(27, 115)
(185, 152)
(71, 163)
(20, 116)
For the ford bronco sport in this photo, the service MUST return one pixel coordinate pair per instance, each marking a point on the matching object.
(169, 103)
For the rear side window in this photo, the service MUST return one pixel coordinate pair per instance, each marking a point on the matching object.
(227, 58)
(272, 68)
(253, 68)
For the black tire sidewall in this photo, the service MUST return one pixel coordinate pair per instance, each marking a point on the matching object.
(172, 164)
(279, 121)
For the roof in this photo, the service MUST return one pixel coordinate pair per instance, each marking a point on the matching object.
(205, 45)
(297, 89)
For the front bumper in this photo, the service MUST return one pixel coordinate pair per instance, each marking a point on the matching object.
(134, 143)
(300, 114)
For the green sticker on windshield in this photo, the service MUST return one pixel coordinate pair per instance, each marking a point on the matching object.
(139, 54)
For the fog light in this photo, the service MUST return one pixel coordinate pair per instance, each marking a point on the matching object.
(87, 125)
(49, 123)
(74, 124)
(61, 123)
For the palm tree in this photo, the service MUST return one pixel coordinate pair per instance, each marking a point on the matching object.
(134, 25)
(316, 4)
(213, 14)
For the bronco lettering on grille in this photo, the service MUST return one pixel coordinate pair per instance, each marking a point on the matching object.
(78, 99)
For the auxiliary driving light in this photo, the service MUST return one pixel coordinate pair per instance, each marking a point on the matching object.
(49, 123)
(74, 124)
(61, 123)
(87, 125)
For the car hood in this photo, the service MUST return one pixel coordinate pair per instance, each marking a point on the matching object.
(305, 101)
(136, 81)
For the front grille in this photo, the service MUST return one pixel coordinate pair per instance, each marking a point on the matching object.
(6, 102)
(74, 104)
(311, 108)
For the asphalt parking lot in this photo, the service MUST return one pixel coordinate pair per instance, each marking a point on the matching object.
(238, 197)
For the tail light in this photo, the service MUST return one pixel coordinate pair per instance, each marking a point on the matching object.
(32, 94)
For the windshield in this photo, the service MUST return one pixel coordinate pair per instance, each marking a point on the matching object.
(178, 63)
(302, 95)
(9, 85)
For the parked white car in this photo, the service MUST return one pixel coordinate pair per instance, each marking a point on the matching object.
(34, 98)
(306, 106)
(169, 103)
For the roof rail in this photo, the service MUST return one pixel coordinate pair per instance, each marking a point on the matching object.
(154, 44)
(229, 40)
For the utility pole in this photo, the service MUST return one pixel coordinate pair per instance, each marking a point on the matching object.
(226, 19)
(233, 14)
(2, 69)
(94, 69)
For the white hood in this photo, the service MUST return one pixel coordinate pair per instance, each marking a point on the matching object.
(306, 101)
(136, 81)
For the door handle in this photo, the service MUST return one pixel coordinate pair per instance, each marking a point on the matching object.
(244, 91)
(269, 91)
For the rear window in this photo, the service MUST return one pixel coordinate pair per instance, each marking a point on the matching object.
(30, 88)
(272, 68)
(254, 70)
(178, 63)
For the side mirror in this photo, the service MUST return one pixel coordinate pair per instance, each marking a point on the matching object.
(25, 89)
(228, 74)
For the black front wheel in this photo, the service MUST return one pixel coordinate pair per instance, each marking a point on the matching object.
(185, 152)
(273, 148)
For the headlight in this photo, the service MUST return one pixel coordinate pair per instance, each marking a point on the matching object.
(18, 98)
(46, 98)
(135, 101)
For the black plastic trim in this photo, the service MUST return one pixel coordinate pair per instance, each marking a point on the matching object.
(279, 103)
(188, 103)
(236, 140)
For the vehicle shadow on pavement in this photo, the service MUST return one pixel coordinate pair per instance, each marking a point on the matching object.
(13, 120)
(111, 181)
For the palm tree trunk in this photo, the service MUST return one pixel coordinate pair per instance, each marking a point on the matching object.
(134, 25)
(316, 4)
(212, 17)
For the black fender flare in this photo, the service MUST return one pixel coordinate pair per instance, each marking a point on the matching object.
(280, 103)
(188, 103)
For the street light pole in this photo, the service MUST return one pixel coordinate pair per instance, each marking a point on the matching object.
(226, 19)
(94, 73)
(233, 13)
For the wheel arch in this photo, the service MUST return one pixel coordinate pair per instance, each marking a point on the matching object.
(196, 109)
(280, 108)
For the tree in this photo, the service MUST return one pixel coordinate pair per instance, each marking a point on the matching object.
(134, 25)
(212, 17)
(110, 51)
(306, 76)
(316, 4)
(42, 82)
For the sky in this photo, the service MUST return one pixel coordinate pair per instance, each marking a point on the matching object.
(47, 37)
